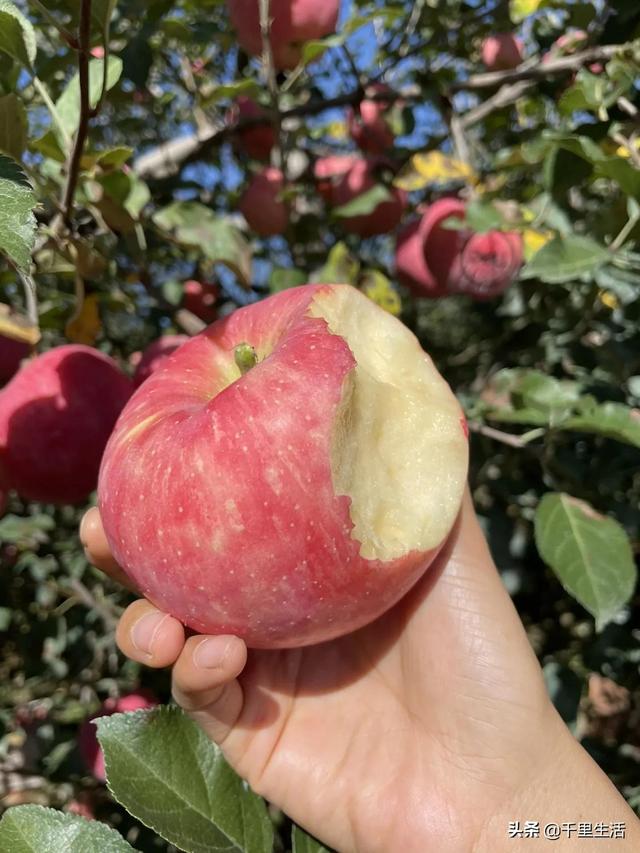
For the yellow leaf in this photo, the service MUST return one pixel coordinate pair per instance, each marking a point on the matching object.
(533, 241)
(521, 9)
(379, 289)
(433, 167)
(337, 130)
(609, 299)
(84, 327)
(623, 151)
(17, 328)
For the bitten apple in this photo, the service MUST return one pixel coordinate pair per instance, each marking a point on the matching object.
(293, 22)
(289, 473)
(56, 415)
(262, 204)
(155, 354)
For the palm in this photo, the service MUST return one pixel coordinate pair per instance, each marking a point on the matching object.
(408, 703)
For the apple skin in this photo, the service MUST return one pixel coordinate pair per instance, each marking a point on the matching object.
(155, 354)
(293, 22)
(56, 415)
(90, 749)
(217, 499)
(368, 127)
(487, 265)
(359, 179)
(11, 354)
(200, 297)
(327, 171)
(261, 205)
(411, 266)
(256, 140)
(502, 52)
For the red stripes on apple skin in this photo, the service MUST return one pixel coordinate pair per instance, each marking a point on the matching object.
(221, 505)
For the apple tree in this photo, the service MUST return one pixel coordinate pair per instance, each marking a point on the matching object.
(471, 167)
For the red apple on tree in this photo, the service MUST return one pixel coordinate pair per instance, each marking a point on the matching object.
(327, 172)
(487, 264)
(201, 297)
(368, 125)
(256, 140)
(502, 52)
(411, 266)
(361, 178)
(262, 204)
(11, 354)
(293, 22)
(155, 354)
(90, 749)
(290, 472)
(56, 415)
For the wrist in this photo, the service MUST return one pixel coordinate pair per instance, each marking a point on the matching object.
(564, 789)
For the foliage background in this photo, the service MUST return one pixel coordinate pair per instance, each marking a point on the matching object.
(535, 369)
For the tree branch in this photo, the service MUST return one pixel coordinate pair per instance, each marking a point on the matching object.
(167, 159)
(277, 152)
(73, 164)
(509, 438)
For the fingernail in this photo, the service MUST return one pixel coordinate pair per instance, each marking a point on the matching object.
(144, 631)
(211, 653)
(84, 529)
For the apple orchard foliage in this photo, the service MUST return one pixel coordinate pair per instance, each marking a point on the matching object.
(340, 151)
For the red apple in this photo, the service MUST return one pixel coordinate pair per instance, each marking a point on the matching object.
(200, 297)
(11, 354)
(368, 126)
(441, 246)
(155, 354)
(90, 749)
(56, 415)
(411, 266)
(327, 171)
(502, 52)
(261, 203)
(295, 498)
(293, 22)
(257, 140)
(362, 177)
(487, 264)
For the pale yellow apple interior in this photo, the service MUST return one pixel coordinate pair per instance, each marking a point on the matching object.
(399, 450)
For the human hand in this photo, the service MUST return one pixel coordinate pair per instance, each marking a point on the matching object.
(429, 729)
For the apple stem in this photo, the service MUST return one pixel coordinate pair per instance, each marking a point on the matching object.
(245, 357)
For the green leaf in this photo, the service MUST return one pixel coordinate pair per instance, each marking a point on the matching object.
(303, 843)
(36, 829)
(566, 258)
(284, 278)
(364, 203)
(102, 12)
(17, 222)
(114, 157)
(613, 420)
(590, 554)
(229, 90)
(68, 104)
(27, 531)
(164, 769)
(17, 36)
(194, 224)
(13, 126)
(341, 267)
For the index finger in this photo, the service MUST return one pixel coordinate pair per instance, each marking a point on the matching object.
(97, 550)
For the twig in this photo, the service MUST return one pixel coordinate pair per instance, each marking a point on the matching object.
(73, 166)
(30, 299)
(634, 154)
(503, 98)
(414, 19)
(70, 39)
(272, 83)
(89, 600)
(518, 441)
